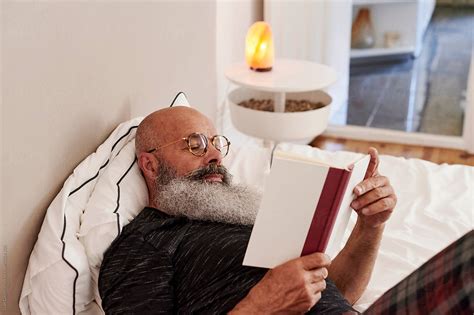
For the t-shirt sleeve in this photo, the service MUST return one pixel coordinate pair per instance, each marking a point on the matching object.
(135, 278)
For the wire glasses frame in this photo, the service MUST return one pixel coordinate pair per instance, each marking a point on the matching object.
(198, 144)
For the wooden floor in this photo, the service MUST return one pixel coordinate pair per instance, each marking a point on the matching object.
(436, 155)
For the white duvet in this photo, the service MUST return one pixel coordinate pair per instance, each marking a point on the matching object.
(435, 207)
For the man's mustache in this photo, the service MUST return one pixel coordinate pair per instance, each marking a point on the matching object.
(210, 169)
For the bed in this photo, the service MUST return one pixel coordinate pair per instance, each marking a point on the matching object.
(106, 191)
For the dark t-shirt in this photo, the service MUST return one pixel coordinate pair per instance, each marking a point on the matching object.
(164, 265)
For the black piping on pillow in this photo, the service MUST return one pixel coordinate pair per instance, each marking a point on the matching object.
(181, 97)
(183, 102)
(118, 195)
(65, 222)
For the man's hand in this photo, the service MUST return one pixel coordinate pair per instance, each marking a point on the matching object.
(375, 200)
(375, 197)
(291, 288)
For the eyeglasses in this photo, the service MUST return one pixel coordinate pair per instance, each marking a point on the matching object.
(198, 143)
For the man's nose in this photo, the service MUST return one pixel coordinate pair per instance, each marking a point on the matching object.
(213, 155)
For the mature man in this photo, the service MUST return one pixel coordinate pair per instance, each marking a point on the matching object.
(183, 253)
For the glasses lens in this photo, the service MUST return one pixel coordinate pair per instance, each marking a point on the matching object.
(221, 144)
(197, 144)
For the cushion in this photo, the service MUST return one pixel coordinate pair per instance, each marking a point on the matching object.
(58, 279)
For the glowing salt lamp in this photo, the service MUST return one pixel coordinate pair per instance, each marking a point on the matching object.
(259, 47)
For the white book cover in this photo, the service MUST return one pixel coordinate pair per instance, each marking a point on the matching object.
(291, 195)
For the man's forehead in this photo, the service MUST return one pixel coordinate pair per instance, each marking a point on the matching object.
(188, 127)
(180, 122)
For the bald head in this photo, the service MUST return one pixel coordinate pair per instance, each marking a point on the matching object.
(166, 125)
(164, 129)
(182, 183)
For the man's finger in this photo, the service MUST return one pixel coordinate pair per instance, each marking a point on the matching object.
(369, 184)
(372, 196)
(318, 286)
(318, 274)
(380, 206)
(315, 260)
(373, 164)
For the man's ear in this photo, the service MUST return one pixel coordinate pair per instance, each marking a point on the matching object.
(148, 164)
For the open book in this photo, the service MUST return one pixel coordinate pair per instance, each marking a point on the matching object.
(305, 208)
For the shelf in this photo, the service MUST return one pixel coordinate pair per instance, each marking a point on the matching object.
(381, 52)
(373, 2)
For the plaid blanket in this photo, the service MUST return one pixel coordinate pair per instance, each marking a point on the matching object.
(443, 285)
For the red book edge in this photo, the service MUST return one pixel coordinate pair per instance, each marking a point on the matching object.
(334, 211)
(326, 211)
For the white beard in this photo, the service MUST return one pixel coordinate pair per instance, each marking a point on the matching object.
(200, 200)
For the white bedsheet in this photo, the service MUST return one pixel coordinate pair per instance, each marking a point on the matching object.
(435, 207)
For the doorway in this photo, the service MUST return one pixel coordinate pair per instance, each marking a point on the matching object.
(426, 94)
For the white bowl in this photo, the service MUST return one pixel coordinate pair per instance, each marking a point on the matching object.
(279, 126)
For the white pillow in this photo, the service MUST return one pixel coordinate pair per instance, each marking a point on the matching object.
(118, 197)
(58, 279)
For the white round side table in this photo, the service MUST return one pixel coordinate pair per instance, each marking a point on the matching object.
(287, 75)
(295, 79)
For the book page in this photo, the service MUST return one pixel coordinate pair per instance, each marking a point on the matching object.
(345, 211)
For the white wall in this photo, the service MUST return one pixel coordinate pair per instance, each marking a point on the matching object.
(233, 20)
(3, 224)
(71, 71)
(319, 31)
